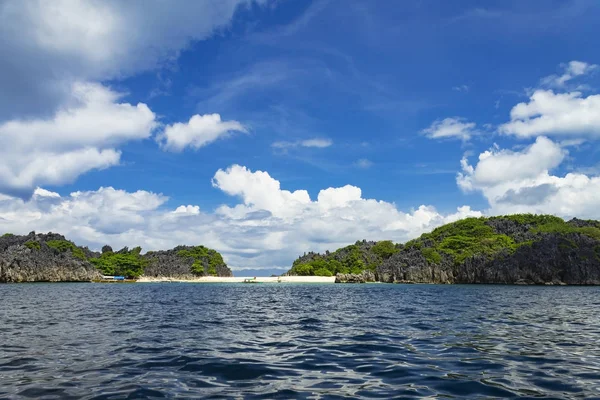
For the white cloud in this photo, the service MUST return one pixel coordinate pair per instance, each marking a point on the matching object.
(496, 166)
(570, 71)
(199, 131)
(450, 128)
(75, 140)
(518, 182)
(189, 209)
(549, 113)
(259, 191)
(316, 142)
(363, 163)
(461, 88)
(49, 44)
(320, 143)
(269, 228)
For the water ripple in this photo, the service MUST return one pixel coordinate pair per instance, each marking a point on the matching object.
(62, 341)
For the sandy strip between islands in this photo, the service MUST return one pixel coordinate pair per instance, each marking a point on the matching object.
(258, 279)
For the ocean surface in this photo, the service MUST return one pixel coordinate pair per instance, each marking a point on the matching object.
(175, 340)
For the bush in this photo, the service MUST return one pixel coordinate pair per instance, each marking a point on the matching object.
(384, 249)
(322, 272)
(33, 245)
(62, 246)
(431, 255)
(532, 219)
(565, 229)
(302, 270)
(128, 263)
(203, 257)
(7, 235)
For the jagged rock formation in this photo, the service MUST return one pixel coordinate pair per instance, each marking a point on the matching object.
(52, 258)
(503, 250)
(517, 249)
(353, 259)
(44, 258)
(363, 277)
(185, 262)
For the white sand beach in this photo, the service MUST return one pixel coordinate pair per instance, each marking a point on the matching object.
(236, 279)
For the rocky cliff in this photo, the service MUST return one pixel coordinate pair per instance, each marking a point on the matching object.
(44, 258)
(52, 258)
(516, 249)
(185, 262)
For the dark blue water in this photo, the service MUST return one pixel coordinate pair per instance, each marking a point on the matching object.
(108, 341)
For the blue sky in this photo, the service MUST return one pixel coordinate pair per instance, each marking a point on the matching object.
(413, 114)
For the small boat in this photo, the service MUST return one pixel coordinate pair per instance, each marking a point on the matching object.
(250, 280)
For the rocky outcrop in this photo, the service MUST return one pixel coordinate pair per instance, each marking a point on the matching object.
(539, 258)
(410, 266)
(52, 258)
(183, 262)
(364, 277)
(515, 249)
(30, 259)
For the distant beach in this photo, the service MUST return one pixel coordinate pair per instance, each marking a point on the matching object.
(258, 279)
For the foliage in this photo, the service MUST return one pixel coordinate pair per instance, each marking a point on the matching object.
(322, 272)
(457, 242)
(7, 235)
(329, 266)
(128, 263)
(202, 257)
(302, 269)
(565, 228)
(463, 247)
(414, 244)
(384, 249)
(431, 255)
(531, 219)
(62, 246)
(472, 227)
(33, 245)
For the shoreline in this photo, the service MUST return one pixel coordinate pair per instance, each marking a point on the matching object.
(222, 279)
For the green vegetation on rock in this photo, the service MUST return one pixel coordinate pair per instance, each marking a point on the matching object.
(7, 235)
(564, 228)
(351, 259)
(206, 260)
(33, 245)
(531, 219)
(62, 246)
(128, 263)
(453, 244)
(431, 255)
(385, 249)
(465, 238)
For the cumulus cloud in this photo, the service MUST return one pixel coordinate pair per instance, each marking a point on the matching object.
(259, 191)
(49, 44)
(269, 228)
(570, 71)
(496, 166)
(558, 114)
(450, 128)
(316, 142)
(199, 131)
(522, 181)
(76, 139)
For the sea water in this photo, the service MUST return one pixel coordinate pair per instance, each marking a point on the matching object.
(176, 340)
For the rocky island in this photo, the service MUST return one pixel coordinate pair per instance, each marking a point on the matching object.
(514, 249)
(52, 258)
